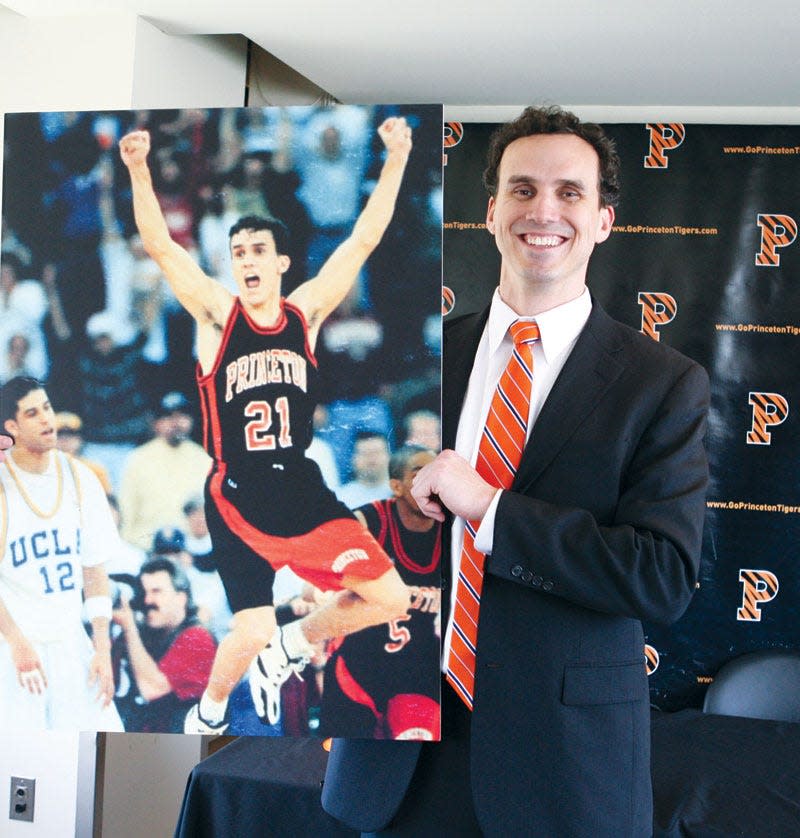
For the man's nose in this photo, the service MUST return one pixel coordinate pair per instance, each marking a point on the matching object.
(543, 207)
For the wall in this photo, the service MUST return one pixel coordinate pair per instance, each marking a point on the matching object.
(52, 760)
(114, 61)
(144, 778)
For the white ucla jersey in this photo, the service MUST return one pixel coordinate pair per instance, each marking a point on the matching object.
(51, 526)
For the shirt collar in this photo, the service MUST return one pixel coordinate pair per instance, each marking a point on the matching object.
(559, 327)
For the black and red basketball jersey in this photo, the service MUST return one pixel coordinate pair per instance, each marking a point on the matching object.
(416, 554)
(368, 669)
(258, 401)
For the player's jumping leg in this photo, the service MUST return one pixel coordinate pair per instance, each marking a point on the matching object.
(251, 629)
(365, 603)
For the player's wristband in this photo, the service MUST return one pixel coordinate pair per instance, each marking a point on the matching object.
(97, 606)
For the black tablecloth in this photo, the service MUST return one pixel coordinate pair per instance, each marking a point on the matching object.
(713, 776)
(257, 787)
(724, 776)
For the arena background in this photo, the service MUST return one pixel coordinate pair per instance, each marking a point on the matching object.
(68, 233)
(703, 257)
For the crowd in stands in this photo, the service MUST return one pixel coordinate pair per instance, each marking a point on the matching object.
(83, 308)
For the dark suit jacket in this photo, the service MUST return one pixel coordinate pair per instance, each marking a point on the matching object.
(602, 528)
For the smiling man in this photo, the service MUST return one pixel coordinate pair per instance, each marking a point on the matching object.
(572, 484)
(55, 533)
(266, 503)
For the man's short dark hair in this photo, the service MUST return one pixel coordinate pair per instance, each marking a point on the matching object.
(12, 393)
(554, 120)
(253, 223)
(180, 581)
(398, 462)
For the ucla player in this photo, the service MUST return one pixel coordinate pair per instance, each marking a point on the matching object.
(54, 527)
(266, 503)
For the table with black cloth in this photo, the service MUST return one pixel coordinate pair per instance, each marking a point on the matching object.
(724, 776)
(259, 786)
(713, 776)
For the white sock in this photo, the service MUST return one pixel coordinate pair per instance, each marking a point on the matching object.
(294, 641)
(212, 711)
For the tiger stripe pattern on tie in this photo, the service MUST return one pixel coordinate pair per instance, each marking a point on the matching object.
(499, 454)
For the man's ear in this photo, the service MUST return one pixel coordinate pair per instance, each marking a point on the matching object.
(606, 223)
(490, 216)
(11, 428)
(396, 486)
(283, 263)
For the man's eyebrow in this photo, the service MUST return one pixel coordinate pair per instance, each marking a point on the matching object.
(514, 180)
(575, 184)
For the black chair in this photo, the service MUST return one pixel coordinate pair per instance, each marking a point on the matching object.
(764, 684)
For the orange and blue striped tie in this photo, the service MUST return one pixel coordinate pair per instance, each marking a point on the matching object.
(499, 453)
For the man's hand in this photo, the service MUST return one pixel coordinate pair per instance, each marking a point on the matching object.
(123, 616)
(450, 482)
(30, 672)
(396, 134)
(134, 148)
(5, 444)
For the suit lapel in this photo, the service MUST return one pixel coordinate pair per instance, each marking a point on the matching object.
(593, 365)
(461, 338)
(591, 368)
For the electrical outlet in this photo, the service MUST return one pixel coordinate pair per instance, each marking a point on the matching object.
(23, 795)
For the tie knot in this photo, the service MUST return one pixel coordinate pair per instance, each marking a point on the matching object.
(523, 332)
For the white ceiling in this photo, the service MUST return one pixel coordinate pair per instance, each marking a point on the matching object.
(481, 52)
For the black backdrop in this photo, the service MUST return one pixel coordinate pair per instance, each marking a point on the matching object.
(704, 257)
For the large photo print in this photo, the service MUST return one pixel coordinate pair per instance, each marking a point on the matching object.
(220, 364)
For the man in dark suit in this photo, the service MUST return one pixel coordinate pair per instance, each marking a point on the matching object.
(600, 529)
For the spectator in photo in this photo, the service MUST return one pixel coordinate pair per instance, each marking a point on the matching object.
(161, 475)
(198, 538)
(113, 401)
(164, 655)
(70, 441)
(23, 307)
(370, 471)
(207, 589)
(423, 427)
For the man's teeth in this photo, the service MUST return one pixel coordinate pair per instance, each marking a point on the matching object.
(543, 241)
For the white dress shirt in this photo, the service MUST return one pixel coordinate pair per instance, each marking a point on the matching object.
(559, 329)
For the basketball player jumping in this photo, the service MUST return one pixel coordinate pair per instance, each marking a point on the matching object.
(55, 529)
(264, 499)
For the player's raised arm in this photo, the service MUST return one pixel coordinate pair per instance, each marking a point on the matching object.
(203, 297)
(318, 297)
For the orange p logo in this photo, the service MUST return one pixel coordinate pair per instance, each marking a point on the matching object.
(760, 586)
(658, 308)
(664, 136)
(769, 409)
(451, 136)
(776, 231)
(448, 300)
(651, 658)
